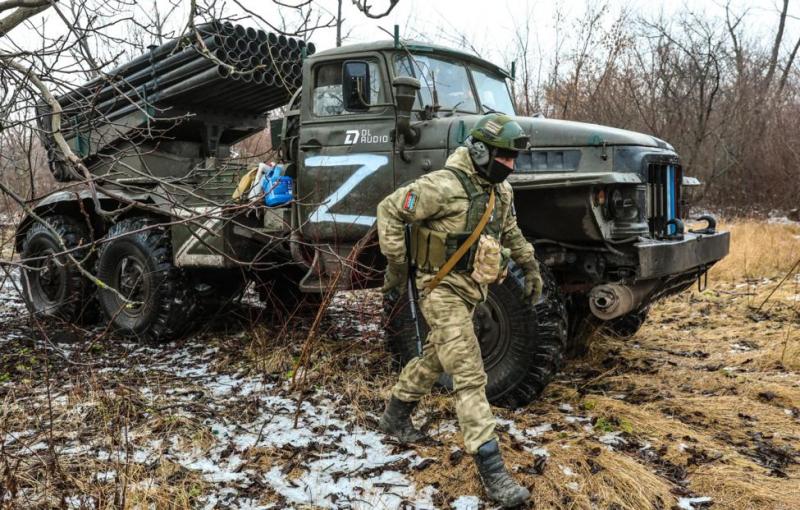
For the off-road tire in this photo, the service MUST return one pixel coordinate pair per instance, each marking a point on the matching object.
(142, 248)
(535, 340)
(626, 326)
(583, 326)
(55, 286)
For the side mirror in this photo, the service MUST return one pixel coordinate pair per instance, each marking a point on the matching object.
(405, 93)
(355, 86)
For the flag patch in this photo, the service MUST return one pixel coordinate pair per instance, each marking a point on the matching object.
(410, 201)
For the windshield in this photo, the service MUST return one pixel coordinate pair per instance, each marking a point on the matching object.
(492, 92)
(448, 78)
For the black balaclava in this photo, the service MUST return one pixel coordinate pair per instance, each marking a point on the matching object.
(495, 172)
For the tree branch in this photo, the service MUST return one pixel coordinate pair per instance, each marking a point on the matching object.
(28, 4)
(788, 68)
(773, 60)
(364, 7)
(21, 14)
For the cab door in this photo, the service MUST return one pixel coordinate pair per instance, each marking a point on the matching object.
(345, 158)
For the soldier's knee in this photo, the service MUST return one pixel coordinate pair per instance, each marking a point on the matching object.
(472, 380)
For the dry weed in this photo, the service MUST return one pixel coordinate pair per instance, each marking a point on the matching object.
(758, 250)
(703, 401)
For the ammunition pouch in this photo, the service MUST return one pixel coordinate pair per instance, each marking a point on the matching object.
(430, 249)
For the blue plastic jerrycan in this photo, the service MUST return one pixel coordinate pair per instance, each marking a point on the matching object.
(277, 187)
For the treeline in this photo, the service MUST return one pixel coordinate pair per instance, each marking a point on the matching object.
(726, 100)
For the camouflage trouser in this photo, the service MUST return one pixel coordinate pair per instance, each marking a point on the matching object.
(451, 347)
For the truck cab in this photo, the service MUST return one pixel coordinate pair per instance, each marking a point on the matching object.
(600, 204)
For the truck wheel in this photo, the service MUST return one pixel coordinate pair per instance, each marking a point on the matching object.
(52, 285)
(522, 350)
(626, 326)
(136, 261)
(582, 326)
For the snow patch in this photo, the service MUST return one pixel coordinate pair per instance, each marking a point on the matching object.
(688, 503)
(539, 429)
(466, 503)
(612, 439)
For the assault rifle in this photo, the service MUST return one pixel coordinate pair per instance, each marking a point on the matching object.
(413, 292)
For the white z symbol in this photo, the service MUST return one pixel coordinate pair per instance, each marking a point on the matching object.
(370, 163)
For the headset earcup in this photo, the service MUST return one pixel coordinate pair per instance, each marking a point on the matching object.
(480, 153)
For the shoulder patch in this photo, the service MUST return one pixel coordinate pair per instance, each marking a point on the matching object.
(410, 202)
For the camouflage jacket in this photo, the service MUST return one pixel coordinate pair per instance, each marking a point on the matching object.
(438, 201)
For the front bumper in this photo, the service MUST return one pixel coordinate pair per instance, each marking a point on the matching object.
(692, 253)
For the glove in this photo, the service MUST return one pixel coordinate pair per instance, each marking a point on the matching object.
(533, 282)
(395, 277)
(533, 287)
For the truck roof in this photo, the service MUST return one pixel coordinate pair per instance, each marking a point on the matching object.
(413, 46)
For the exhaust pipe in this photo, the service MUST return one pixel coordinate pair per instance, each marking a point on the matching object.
(613, 300)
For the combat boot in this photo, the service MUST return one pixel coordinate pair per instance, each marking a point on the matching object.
(499, 486)
(396, 421)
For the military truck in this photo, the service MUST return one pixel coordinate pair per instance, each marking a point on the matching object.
(161, 241)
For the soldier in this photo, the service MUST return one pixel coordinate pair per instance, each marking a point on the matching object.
(445, 207)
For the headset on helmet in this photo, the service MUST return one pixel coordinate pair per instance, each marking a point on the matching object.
(478, 151)
(495, 135)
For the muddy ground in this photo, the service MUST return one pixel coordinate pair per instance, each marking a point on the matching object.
(701, 409)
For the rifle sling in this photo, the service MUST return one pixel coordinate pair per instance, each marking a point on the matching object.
(453, 260)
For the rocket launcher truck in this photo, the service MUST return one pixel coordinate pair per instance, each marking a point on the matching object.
(156, 243)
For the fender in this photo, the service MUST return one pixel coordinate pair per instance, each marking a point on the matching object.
(75, 203)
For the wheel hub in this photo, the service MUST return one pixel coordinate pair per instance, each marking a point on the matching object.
(132, 284)
(493, 331)
(50, 278)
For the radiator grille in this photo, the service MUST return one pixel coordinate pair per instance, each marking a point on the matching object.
(663, 198)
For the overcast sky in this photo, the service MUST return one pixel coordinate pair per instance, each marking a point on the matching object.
(487, 26)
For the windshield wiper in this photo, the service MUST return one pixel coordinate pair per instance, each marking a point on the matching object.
(453, 110)
(489, 109)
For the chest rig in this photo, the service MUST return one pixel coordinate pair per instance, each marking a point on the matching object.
(430, 249)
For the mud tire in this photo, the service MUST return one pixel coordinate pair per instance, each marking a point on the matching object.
(56, 287)
(626, 326)
(532, 345)
(582, 326)
(136, 260)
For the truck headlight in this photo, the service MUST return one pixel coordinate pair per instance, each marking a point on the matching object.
(622, 204)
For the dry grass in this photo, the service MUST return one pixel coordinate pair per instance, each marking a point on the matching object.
(758, 250)
(706, 399)
(707, 395)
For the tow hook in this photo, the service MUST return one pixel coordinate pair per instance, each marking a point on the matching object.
(679, 228)
(711, 225)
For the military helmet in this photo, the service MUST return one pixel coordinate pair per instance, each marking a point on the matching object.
(501, 132)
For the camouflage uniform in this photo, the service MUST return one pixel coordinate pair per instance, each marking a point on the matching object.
(438, 201)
